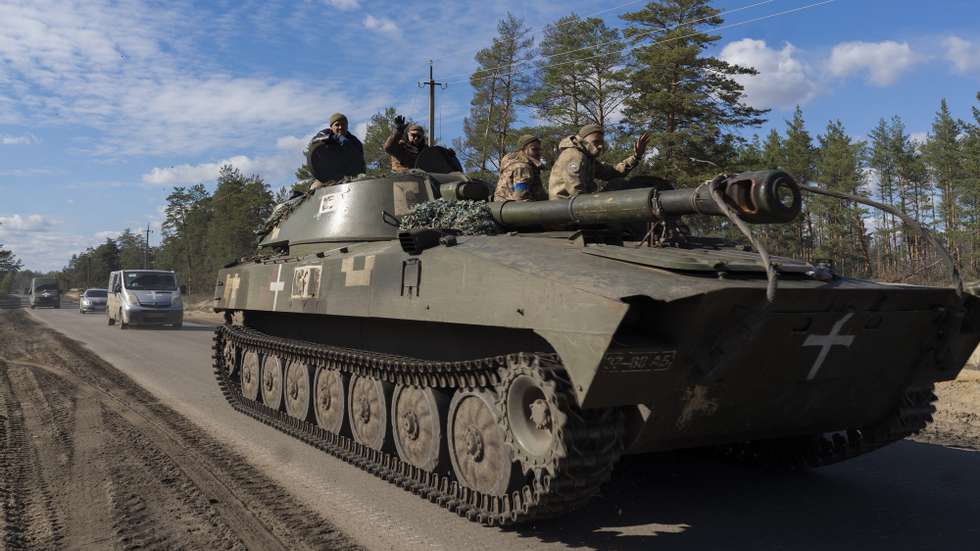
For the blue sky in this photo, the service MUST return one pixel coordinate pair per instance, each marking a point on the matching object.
(106, 105)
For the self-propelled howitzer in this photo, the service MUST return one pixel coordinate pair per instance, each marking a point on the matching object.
(503, 375)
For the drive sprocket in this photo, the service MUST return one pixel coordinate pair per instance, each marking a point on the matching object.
(545, 427)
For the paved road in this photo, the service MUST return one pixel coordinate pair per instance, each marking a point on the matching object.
(907, 496)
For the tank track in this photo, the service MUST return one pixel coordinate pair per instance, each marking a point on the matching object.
(913, 413)
(592, 439)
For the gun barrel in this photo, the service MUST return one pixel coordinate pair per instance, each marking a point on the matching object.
(764, 197)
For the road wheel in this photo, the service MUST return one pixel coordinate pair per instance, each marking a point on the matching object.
(328, 399)
(250, 376)
(272, 369)
(367, 412)
(298, 391)
(231, 357)
(478, 449)
(417, 417)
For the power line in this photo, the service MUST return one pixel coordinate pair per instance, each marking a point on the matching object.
(605, 10)
(659, 42)
(645, 33)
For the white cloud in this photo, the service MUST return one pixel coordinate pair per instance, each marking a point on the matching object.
(963, 54)
(884, 61)
(783, 80)
(27, 139)
(25, 223)
(292, 143)
(28, 172)
(42, 243)
(108, 234)
(380, 24)
(919, 138)
(274, 169)
(360, 130)
(119, 67)
(344, 5)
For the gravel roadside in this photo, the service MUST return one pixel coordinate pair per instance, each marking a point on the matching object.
(88, 459)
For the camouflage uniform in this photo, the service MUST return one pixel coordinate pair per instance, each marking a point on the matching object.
(520, 179)
(575, 170)
(403, 154)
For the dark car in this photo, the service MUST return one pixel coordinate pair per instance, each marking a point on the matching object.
(44, 292)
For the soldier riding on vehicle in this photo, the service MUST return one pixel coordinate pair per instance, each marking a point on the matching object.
(520, 173)
(578, 163)
(335, 153)
(404, 144)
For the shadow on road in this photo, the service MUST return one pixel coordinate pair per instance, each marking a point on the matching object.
(208, 328)
(907, 496)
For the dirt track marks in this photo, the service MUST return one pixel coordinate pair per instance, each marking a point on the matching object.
(90, 459)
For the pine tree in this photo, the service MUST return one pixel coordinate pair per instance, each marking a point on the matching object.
(772, 150)
(131, 250)
(970, 197)
(8, 262)
(500, 84)
(379, 128)
(6, 282)
(839, 232)
(580, 76)
(798, 157)
(240, 204)
(944, 156)
(108, 256)
(684, 98)
(185, 228)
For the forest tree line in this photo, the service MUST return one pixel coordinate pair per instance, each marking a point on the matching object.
(652, 75)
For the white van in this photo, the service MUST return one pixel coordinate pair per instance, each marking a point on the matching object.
(144, 297)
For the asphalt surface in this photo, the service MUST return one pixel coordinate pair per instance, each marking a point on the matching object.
(907, 496)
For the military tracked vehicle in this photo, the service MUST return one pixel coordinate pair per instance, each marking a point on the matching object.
(503, 375)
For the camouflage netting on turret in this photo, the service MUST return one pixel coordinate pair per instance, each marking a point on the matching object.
(464, 217)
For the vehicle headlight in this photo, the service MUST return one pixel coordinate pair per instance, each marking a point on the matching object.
(177, 302)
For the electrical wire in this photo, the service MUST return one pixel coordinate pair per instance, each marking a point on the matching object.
(659, 42)
(558, 25)
(644, 33)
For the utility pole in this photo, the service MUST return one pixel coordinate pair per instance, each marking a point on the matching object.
(146, 249)
(432, 103)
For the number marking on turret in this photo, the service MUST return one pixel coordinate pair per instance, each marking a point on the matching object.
(327, 204)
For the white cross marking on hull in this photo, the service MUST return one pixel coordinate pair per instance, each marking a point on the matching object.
(825, 342)
(277, 286)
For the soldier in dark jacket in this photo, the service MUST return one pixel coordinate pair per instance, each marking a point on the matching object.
(342, 152)
(404, 144)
